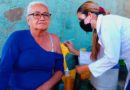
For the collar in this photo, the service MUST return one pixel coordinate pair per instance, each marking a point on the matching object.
(99, 19)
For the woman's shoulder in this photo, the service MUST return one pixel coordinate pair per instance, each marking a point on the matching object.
(19, 33)
(56, 42)
(55, 37)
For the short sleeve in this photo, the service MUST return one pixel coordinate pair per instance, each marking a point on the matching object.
(59, 63)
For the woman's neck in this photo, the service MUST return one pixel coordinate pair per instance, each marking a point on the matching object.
(39, 33)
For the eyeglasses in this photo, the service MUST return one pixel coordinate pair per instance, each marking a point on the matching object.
(46, 16)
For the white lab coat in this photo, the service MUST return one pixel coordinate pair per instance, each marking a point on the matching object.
(114, 37)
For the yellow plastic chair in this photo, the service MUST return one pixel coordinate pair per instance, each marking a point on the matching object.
(65, 51)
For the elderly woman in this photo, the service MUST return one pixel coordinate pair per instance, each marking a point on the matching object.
(32, 59)
(112, 42)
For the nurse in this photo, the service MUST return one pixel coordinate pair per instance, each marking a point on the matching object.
(111, 41)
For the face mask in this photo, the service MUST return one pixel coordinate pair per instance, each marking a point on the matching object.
(86, 27)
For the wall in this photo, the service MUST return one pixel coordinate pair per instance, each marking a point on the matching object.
(64, 22)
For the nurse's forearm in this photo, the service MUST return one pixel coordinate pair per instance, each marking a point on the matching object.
(76, 52)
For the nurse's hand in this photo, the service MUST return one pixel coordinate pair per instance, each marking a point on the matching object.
(71, 48)
(84, 71)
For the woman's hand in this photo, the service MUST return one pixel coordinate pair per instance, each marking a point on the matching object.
(71, 48)
(45, 86)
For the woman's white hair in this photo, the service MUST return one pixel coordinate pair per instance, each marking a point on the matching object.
(34, 3)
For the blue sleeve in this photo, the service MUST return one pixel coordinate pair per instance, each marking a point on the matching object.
(59, 64)
(9, 55)
(128, 85)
